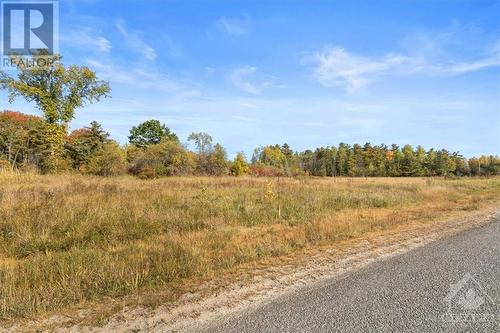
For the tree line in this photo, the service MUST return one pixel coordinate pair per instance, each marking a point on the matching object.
(27, 143)
(43, 144)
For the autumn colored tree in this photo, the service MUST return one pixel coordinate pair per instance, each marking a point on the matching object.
(271, 156)
(217, 161)
(107, 160)
(240, 166)
(210, 159)
(28, 142)
(57, 92)
(168, 158)
(484, 165)
(17, 134)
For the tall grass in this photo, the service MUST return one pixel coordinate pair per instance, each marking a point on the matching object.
(69, 239)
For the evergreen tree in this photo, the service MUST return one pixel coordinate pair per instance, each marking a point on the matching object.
(83, 143)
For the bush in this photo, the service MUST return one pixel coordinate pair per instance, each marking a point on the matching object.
(239, 166)
(107, 161)
(132, 152)
(168, 158)
(260, 170)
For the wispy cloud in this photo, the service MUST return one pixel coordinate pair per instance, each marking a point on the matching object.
(464, 67)
(142, 79)
(86, 39)
(335, 66)
(492, 59)
(134, 40)
(234, 26)
(244, 78)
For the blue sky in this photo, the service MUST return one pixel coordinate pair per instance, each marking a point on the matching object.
(310, 73)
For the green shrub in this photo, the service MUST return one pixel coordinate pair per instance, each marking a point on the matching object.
(167, 158)
(107, 161)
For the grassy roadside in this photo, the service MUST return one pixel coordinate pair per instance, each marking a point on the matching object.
(71, 239)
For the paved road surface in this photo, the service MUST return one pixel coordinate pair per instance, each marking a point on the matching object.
(401, 294)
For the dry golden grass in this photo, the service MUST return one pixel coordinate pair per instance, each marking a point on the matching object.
(70, 239)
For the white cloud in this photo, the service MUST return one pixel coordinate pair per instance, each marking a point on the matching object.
(244, 78)
(234, 26)
(335, 66)
(464, 67)
(103, 44)
(135, 41)
(142, 79)
(86, 39)
(492, 59)
(238, 77)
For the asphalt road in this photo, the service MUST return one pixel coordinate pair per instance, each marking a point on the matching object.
(406, 293)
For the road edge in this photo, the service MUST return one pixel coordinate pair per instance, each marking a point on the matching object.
(195, 311)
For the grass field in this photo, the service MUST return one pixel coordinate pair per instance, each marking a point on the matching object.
(70, 239)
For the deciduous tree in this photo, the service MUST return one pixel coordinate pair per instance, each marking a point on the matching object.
(150, 132)
(56, 90)
(240, 166)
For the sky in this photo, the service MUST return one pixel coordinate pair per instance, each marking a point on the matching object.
(309, 73)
